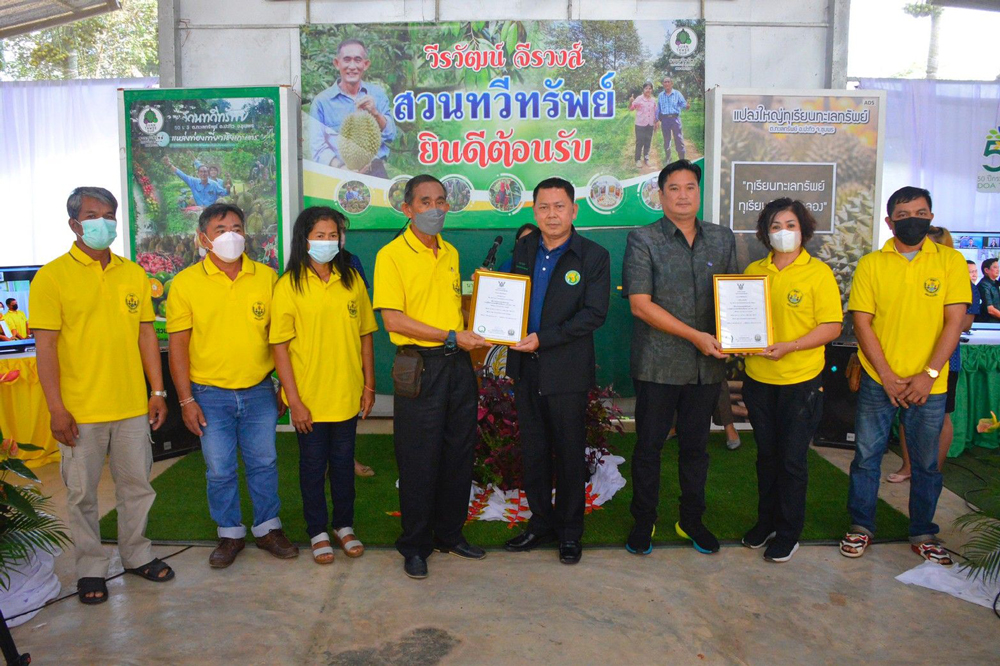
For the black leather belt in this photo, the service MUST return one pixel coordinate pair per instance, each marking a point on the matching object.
(429, 352)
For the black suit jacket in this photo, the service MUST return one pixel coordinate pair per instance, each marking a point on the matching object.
(572, 311)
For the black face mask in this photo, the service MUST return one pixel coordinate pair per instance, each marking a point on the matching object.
(14, 307)
(911, 230)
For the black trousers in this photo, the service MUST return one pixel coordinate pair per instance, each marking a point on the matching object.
(435, 442)
(784, 420)
(552, 425)
(656, 405)
(643, 140)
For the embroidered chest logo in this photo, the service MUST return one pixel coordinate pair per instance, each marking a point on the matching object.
(794, 297)
(352, 308)
(132, 302)
(456, 284)
(932, 286)
(572, 278)
(258, 310)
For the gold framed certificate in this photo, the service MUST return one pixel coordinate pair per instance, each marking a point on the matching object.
(499, 310)
(743, 313)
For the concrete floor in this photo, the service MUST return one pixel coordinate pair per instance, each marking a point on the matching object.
(675, 606)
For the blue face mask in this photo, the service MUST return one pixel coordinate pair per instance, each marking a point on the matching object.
(99, 234)
(324, 251)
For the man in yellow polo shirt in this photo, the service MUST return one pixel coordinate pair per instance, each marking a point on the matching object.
(92, 315)
(418, 289)
(16, 320)
(909, 301)
(218, 315)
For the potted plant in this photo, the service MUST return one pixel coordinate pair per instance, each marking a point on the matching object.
(982, 551)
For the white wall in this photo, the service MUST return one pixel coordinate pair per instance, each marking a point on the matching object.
(751, 43)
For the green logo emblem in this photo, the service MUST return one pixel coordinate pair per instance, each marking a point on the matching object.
(572, 278)
(931, 286)
(794, 297)
(352, 308)
(992, 148)
(132, 302)
(258, 310)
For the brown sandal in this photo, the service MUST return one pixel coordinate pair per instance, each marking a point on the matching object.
(322, 554)
(349, 543)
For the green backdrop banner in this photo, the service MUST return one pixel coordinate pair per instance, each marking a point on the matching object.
(493, 107)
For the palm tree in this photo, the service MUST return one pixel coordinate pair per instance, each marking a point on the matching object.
(921, 10)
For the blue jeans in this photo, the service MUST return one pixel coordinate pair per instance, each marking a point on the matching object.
(923, 428)
(329, 445)
(246, 418)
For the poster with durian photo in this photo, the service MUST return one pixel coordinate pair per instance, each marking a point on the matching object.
(822, 147)
(185, 149)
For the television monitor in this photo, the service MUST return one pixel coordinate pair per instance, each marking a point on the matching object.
(15, 283)
(977, 246)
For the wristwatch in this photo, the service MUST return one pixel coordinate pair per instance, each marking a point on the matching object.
(451, 343)
(934, 374)
(159, 394)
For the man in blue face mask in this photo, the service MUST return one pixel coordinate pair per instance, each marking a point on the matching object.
(418, 289)
(92, 316)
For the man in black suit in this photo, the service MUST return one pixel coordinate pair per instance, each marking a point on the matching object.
(553, 368)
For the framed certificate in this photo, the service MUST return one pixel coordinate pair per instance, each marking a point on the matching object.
(743, 313)
(499, 310)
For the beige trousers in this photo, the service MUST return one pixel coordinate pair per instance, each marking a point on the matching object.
(129, 446)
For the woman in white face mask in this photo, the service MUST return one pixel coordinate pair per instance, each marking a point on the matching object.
(321, 335)
(784, 391)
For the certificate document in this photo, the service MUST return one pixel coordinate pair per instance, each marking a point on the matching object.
(743, 313)
(499, 309)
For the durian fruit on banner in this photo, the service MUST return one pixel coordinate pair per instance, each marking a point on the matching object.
(359, 140)
(260, 212)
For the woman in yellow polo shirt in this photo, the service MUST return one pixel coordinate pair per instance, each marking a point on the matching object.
(784, 391)
(321, 334)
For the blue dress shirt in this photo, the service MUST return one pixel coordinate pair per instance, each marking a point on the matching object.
(672, 103)
(545, 263)
(204, 195)
(328, 111)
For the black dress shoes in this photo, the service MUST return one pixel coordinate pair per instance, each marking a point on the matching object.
(570, 552)
(526, 541)
(415, 567)
(465, 550)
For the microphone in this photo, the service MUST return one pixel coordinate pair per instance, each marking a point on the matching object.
(491, 256)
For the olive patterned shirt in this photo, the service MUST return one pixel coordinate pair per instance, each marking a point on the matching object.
(660, 262)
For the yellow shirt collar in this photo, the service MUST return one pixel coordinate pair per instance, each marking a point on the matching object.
(800, 260)
(415, 244)
(86, 259)
(928, 246)
(246, 267)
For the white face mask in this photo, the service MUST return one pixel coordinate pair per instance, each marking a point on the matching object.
(228, 246)
(785, 240)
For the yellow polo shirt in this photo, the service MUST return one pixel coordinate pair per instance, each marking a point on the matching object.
(803, 295)
(409, 278)
(97, 312)
(228, 320)
(18, 321)
(323, 324)
(907, 299)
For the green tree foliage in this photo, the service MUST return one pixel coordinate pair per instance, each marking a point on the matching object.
(122, 43)
(923, 10)
(607, 46)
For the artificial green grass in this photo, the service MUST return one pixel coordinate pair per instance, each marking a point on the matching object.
(181, 509)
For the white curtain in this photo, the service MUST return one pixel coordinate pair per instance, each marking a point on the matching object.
(54, 136)
(935, 137)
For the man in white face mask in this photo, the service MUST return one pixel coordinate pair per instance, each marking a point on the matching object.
(92, 316)
(218, 318)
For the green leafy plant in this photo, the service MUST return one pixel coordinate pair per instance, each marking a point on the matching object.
(25, 522)
(982, 551)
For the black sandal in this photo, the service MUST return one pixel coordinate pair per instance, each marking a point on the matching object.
(151, 571)
(86, 586)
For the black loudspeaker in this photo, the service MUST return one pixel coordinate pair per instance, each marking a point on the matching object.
(839, 403)
(173, 438)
